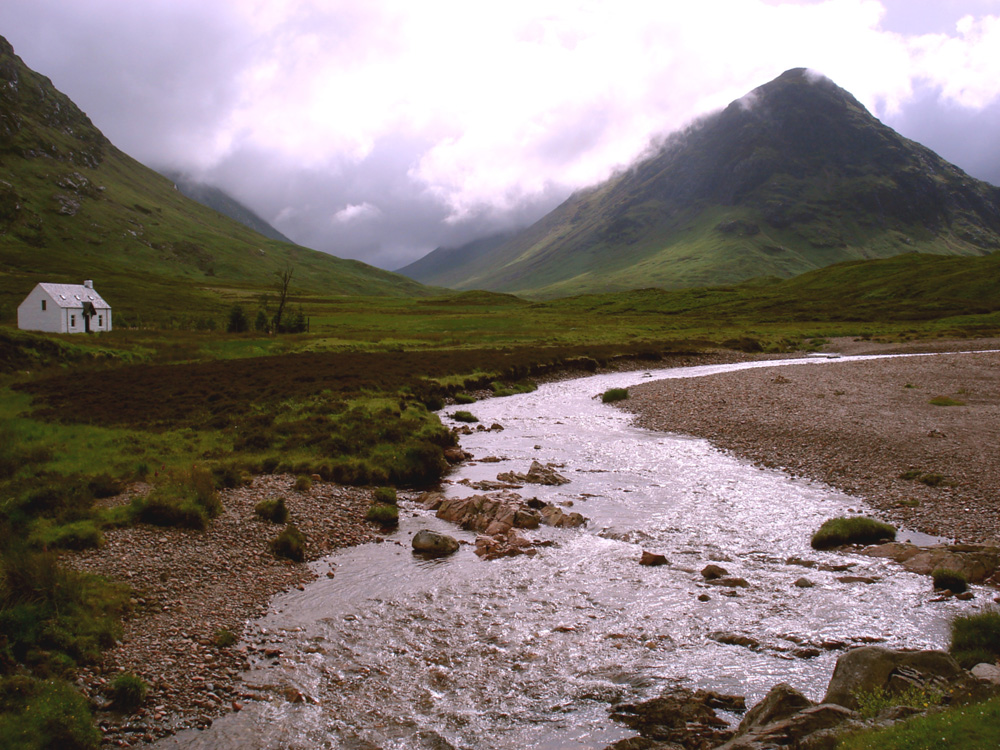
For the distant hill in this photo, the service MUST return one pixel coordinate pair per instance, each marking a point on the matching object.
(448, 264)
(219, 200)
(794, 176)
(74, 207)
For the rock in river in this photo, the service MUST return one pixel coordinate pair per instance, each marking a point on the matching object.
(429, 542)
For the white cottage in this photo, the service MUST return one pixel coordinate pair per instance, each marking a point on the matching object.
(64, 308)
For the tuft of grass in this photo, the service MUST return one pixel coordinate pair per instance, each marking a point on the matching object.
(853, 530)
(303, 483)
(128, 692)
(976, 638)
(952, 580)
(385, 495)
(187, 499)
(290, 544)
(614, 394)
(503, 389)
(384, 515)
(464, 416)
(272, 509)
(76, 535)
(931, 479)
(945, 401)
(465, 398)
(873, 702)
(224, 638)
(970, 727)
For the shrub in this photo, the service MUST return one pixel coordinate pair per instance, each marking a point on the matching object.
(128, 691)
(386, 516)
(464, 398)
(44, 714)
(272, 509)
(385, 495)
(854, 530)
(224, 638)
(303, 483)
(464, 416)
(951, 580)
(290, 544)
(974, 637)
(614, 394)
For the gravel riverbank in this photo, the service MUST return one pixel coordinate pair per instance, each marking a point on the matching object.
(189, 585)
(866, 427)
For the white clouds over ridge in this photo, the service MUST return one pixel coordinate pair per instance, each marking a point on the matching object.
(475, 110)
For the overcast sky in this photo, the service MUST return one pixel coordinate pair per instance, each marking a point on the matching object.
(380, 130)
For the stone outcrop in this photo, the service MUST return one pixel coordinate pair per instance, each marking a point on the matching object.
(538, 473)
(685, 718)
(874, 667)
(979, 563)
(428, 542)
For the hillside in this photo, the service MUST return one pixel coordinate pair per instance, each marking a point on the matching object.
(794, 176)
(72, 206)
(219, 200)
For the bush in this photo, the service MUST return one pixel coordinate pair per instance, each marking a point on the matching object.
(385, 495)
(386, 516)
(127, 692)
(44, 714)
(974, 637)
(951, 580)
(854, 530)
(290, 544)
(614, 394)
(272, 509)
(464, 416)
(303, 483)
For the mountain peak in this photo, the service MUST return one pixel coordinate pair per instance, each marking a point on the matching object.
(794, 175)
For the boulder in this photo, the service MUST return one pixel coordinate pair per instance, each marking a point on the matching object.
(681, 716)
(781, 702)
(537, 474)
(987, 672)
(652, 559)
(874, 667)
(711, 572)
(428, 542)
(553, 516)
(796, 730)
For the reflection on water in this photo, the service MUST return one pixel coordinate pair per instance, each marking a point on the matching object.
(400, 652)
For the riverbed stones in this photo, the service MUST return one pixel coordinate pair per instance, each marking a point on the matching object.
(433, 543)
(979, 563)
(681, 716)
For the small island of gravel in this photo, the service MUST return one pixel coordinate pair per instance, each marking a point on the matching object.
(915, 437)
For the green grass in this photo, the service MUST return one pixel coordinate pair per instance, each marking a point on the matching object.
(464, 416)
(290, 544)
(383, 514)
(853, 530)
(871, 703)
(128, 692)
(47, 713)
(945, 401)
(614, 394)
(952, 580)
(975, 638)
(272, 509)
(972, 727)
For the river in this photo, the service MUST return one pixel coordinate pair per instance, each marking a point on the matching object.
(396, 652)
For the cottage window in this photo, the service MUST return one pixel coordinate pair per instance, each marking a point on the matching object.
(72, 321)
(100, 320)
(43, 305)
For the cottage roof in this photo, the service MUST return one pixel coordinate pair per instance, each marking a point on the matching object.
(74, 295)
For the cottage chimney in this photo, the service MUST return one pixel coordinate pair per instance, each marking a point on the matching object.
(89, 284)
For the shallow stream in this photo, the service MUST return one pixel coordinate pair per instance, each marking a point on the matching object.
(395, 652)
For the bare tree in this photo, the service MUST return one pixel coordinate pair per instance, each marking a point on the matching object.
(282, 287)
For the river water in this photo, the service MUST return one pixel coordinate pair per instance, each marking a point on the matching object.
(396, 652)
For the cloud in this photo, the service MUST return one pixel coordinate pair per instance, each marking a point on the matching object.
(420, 124)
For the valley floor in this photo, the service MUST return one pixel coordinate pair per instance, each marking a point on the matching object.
(868, 428)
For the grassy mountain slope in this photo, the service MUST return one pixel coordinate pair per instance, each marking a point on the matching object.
(795, 176)
(449, 264)
(72, 206)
